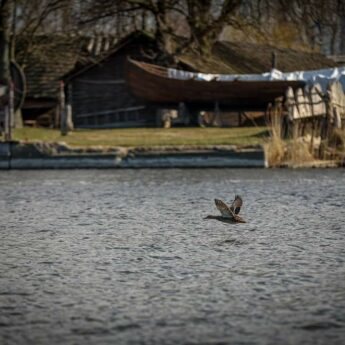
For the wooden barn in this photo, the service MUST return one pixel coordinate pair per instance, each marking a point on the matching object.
(97, 89)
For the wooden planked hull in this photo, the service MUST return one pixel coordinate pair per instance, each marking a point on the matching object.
(151, 83)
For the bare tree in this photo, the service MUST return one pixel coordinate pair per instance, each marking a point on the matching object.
(47, 17)
(201, 21)
(207, 19)
(318, 20)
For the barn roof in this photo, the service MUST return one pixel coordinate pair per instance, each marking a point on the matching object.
(45, 62)
(100, 48)
(55, 57)
(237, 58)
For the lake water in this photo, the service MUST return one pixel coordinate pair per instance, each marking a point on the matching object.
(125, 257)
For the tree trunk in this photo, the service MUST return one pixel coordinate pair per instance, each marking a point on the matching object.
(7, 51)
(4, 42)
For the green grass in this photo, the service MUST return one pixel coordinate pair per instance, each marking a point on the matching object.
(242, 136)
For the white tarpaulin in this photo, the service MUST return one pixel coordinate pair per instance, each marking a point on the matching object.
(321, 76)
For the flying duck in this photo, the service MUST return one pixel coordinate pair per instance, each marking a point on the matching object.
(228, 214)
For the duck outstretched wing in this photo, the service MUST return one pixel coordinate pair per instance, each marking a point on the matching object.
(236, 205)
(224, 209)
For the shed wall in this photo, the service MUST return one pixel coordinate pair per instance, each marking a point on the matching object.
(100, 97)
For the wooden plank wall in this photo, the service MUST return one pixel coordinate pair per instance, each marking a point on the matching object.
(313, 106)
(100, 98)
(312, 114)
(313, 102)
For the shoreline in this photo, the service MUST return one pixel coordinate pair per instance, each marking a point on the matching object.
(58, 155)
(40, 155)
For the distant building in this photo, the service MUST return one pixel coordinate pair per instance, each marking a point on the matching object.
(98, 92)
(94, 68)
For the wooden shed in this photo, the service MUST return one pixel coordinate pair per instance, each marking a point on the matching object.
(97, 90)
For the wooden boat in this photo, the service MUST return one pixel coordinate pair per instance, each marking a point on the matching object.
(153, 83)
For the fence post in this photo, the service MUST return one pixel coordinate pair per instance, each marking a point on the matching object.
(63, 115)
(69, 114)
(9, 113)
(325, 125)
(273, 60)
(314, 119)
(11, 105)
(217, 119)
(7, 129)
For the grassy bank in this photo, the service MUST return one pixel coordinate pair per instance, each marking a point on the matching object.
(241, 136)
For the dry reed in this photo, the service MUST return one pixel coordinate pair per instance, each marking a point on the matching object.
(275, 146)
(280, 152)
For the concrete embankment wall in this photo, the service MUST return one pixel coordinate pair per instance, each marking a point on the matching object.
(5, 155)
(45, 156)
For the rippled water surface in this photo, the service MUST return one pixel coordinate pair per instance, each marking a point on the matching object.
(125, 257)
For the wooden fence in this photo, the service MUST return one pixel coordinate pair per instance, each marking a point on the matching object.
(311, 111)
(311, 114)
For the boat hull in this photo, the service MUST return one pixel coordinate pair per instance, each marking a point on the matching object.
(151, 83)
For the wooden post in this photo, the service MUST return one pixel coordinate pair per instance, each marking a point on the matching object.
(69, 114)
(274, 60)
(7, 129)
(63, 115)
(69, 121)
(268, 114)
(329, 116)
(11, 105)
(313, 119)
(9, 113)
(325, 125)
(217, 121)
(313, 126)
